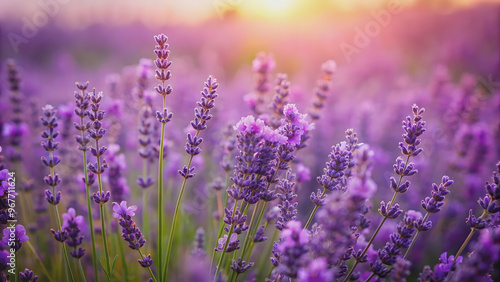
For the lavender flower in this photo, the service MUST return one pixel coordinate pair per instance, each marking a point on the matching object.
(49, 120)
(262, 66)
(292, 249)
(288, 209)
(117, 166)
(231, 246)
(240, 266)
(96, 132)
(145, 151)
(486, 252)
(282, 90)
(130, 232)
(323, 87)
(202, 115)
(199, 243)
(72, 225)
(316, 271)
(27, 276)
(13, 237)
(441, 270)
(81, 110)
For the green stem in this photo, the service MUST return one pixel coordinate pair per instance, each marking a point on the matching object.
(66, 258)
(380, 225)
(225, 245)
(122, 254)
(82, 274)
(145, 202)
(56, 211)
(101, 212)
(89, 211)
(160, 197)
(30, 246)
(149, 268)
(176, 215)
(314, 211)
(472, 231)
(370, 277)
(106, 253)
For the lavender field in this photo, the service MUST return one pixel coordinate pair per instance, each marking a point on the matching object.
(233, 140)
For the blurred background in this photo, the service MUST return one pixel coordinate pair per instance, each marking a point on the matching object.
(443, 55)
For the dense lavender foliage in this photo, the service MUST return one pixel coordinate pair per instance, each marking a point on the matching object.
(295, 167)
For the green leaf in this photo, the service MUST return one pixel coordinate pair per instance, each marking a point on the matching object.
(114, 262)
(103, 268)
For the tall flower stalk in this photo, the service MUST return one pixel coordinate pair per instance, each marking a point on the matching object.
(49, 120)
(131, 233)
(202, 116)
(82, 104)
(413, 128)
(162, 74)
(96, 132)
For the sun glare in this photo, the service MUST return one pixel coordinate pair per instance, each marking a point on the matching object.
(271, 9)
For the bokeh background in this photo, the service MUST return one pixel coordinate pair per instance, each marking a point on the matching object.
(442, 55)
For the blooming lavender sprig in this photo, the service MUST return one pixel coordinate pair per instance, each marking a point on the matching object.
(323, 87)
(431, 205)
(199, 243)
(413, 128)
(82, 101)
(490, 206)
(49, 120)
(97, 132)
(399, 240)
(441, 270)
(145, 150)
(334, 177)
(13, 237)
(17, 127)
(282, 91)
(72, 225)
(486, 252)
(348, 209)
(199, 123)
(27, 276)
(262, 66)
(293, 250)
(131, 233)
(246, 184)
(163, 74)
(117, 166)
(287, 207)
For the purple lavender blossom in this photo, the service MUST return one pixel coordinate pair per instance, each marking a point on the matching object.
(293, 249)
(13, 237)
(73, 225)
(316, 271)
(323, 87)
(130, 232)
(288, 208)
(486, 252)
(27, 276)
(117, 167)
(202, 116)
(231, 246)
(49, 120)
(441, 270)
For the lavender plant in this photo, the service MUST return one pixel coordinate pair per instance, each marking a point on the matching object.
(49, 120)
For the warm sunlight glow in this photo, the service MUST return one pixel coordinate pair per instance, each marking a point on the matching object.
(272, 9)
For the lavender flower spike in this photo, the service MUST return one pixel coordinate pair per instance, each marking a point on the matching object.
(131, 233)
